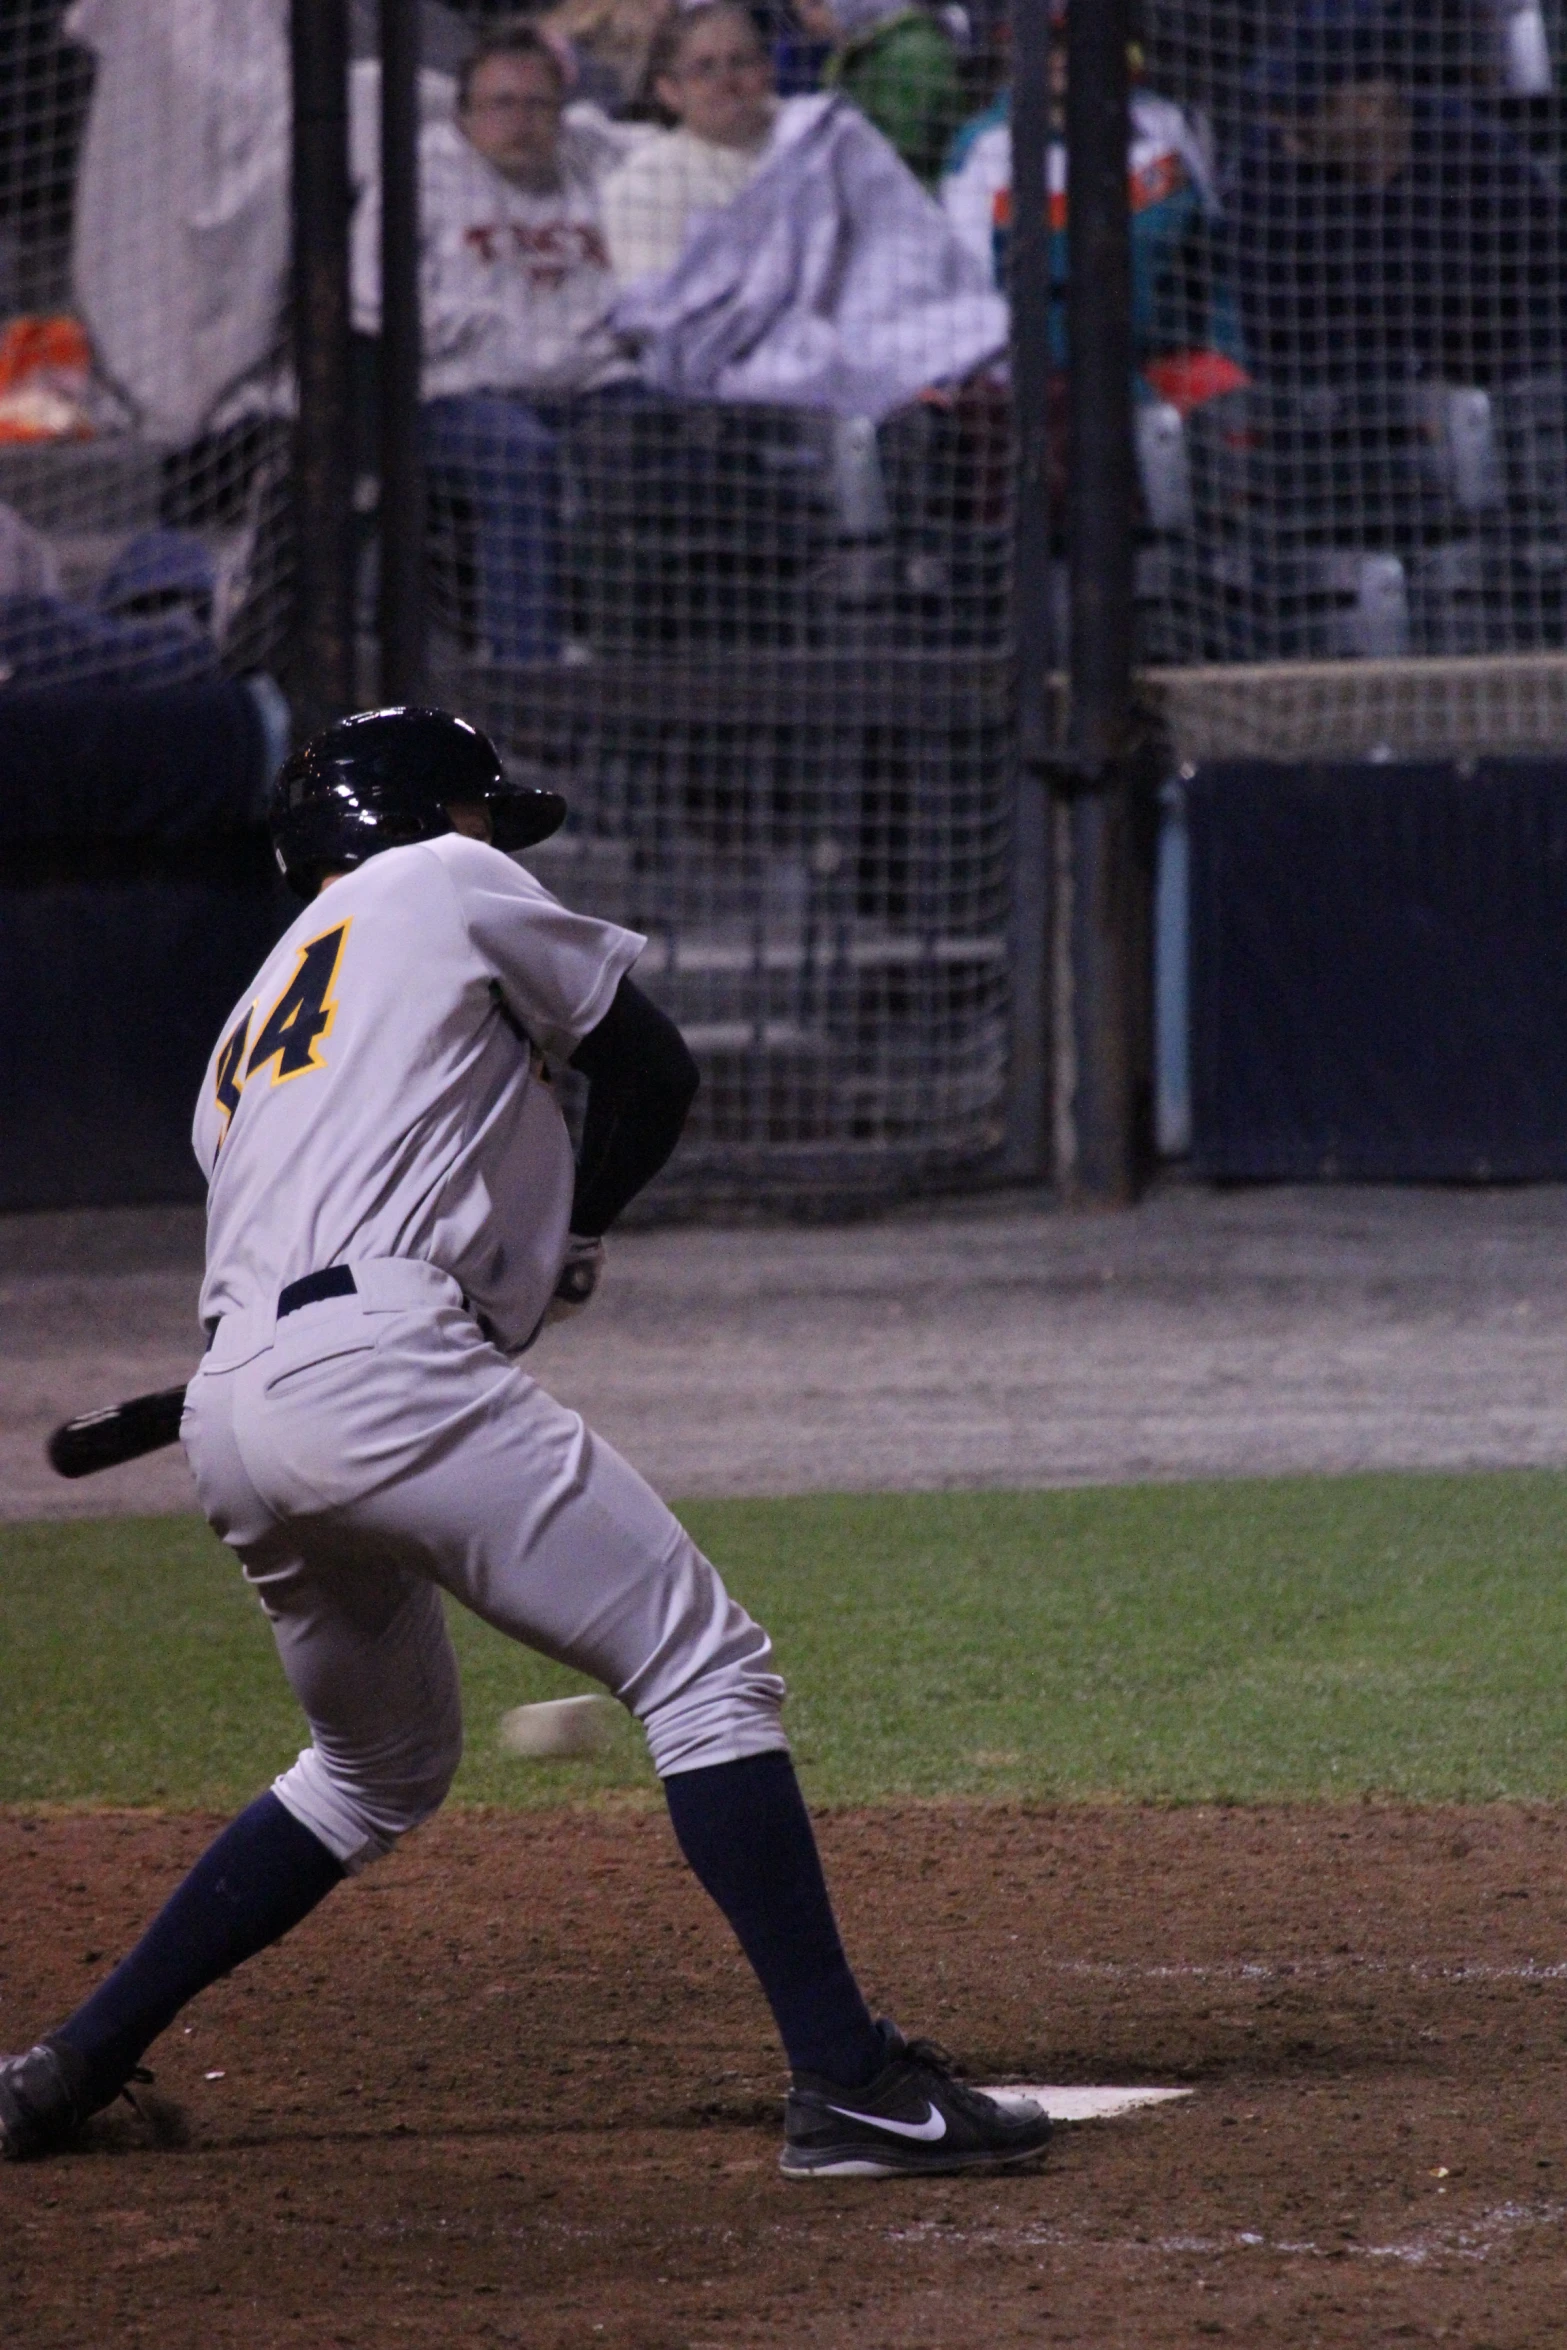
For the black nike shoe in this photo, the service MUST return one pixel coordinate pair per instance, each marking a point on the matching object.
(43, 2101)
(912, 2118)
(47, 2096)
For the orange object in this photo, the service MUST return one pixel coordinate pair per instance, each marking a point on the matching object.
(28, 345)
(45, 367)
(1188, 378)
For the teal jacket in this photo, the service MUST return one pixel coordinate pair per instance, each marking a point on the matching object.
(1173, 217)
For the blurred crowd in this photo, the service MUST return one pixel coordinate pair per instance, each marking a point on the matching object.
(802, 202)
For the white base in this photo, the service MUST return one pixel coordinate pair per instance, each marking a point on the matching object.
(1084, 2105)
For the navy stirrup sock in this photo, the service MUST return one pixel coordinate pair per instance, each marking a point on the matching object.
(744, 1828)
(262, 1875)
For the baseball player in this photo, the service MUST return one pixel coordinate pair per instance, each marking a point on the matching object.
(393, 1213)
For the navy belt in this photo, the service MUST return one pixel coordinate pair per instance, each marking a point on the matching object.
(333, 1281)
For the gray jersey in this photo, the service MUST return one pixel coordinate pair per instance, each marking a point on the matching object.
(381, 1090)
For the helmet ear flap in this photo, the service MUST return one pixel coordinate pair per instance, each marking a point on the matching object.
(521, 819)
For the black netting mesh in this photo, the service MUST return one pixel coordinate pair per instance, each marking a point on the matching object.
(719, 448)
(1381, 476)
(144, 396)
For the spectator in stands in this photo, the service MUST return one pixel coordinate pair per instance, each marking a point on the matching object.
(516, 289)
(1381, 231)
(781, 250)
(828, 281)
(1183, 331)
(606, 44)
(898, 64)
(713, 79)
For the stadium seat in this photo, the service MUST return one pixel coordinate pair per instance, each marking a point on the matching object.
(1341, 521)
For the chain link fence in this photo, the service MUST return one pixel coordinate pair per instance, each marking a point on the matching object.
(1382, 475)
(719, 454)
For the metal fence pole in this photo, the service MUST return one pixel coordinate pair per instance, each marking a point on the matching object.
(323, 683)
(1029, 1120)
(1109, 913)
(402, 474)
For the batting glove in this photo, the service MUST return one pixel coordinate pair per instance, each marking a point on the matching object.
(579, 1277)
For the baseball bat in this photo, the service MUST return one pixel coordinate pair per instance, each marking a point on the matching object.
(120, 1432)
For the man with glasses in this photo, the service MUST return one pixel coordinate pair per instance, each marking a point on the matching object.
(515, 291)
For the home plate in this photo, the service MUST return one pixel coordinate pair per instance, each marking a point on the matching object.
(1084, 2105)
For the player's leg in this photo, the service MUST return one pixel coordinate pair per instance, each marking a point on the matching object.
(747, 1837)
(507, 1499)
(260, 1877)
(544, 1530)
(424, 1450)
(366, 1651)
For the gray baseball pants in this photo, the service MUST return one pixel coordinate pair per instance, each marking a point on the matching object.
(367, 1453)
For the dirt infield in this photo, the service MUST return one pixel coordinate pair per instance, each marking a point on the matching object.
(515, 2087)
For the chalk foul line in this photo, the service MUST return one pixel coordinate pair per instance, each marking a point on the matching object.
(1473, 2240)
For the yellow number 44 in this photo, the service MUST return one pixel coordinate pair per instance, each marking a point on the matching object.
(303, 1013)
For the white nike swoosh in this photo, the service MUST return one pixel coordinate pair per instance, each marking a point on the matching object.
(932, 2127)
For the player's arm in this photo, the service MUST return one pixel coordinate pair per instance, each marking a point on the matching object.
(641, 1084)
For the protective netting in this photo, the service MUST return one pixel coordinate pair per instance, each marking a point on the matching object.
(144, 432)
(731, 555)
(1365, 459)
(718, 480)
(718, 443)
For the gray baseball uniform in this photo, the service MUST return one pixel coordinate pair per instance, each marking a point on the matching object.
(380, 1102)
(390, 1186)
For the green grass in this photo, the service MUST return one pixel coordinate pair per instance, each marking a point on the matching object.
(1298, 1637)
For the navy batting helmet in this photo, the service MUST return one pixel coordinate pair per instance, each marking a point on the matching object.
(386, 777)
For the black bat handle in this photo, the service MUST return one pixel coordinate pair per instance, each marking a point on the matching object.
(120, 1432)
